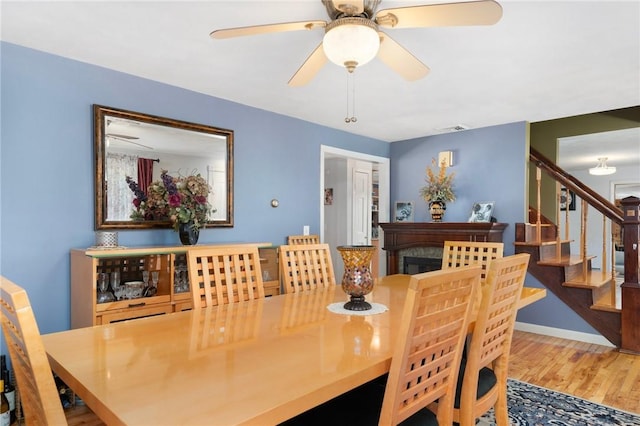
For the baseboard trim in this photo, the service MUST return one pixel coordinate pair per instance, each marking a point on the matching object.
(563, 334)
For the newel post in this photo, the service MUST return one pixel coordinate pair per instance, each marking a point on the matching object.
(631, 286)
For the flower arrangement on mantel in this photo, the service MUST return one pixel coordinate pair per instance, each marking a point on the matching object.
(439, 186)
(179, 199)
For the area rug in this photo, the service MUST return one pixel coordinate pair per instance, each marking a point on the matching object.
(531, 405)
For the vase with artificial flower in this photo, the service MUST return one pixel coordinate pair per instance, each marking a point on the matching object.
(438, 190)
(183, 200)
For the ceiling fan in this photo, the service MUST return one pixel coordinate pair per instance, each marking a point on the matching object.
(123, 138)
(352, 37)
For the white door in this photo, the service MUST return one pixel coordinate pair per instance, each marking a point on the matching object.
(361, 203)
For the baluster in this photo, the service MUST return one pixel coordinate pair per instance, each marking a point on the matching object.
(583, 237)
(558, 216)
(604, 246)
(566, 215)
(613, 265)
(538, 223)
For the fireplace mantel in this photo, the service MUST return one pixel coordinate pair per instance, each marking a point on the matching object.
(403, 235)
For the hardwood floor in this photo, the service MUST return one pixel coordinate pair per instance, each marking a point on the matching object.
(597, 373)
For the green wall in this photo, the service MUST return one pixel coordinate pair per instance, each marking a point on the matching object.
(544, 137)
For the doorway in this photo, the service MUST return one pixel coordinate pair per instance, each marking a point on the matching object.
(335, 227)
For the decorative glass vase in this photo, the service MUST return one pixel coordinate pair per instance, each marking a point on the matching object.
(437, 209)
(357, 280)
(188, 233)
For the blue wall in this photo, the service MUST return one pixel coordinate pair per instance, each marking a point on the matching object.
(47, 188)
(47, 167)
(489, 165)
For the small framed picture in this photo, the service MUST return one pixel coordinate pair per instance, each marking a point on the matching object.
(403, 211)
(328, 196)
(481, 212)
(567, 199)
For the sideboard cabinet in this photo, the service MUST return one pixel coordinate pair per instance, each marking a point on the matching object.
(169, 261)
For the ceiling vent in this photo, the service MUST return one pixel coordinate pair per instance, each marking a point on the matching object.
(456, 128)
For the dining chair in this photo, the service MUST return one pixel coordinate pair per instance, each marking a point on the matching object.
(306, 267)
(425, 362)
(220, 275)
(482, 382)
(39, 396)
(462, 253)
(303, 239)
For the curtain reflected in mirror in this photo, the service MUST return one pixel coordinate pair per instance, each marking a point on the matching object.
(119, 196)
(132, 152)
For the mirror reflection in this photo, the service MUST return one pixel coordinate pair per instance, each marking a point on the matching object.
(140, 146)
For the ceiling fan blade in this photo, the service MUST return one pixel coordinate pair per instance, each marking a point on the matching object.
(116, 135)
(483, 12)
(264, 29)
(309, 68)
(400, 59)
(129, 141)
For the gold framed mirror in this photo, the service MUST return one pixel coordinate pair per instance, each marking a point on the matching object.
(122, 139)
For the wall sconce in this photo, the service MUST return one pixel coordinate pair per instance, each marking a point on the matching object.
(445, 157)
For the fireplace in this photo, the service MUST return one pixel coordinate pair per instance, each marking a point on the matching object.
(416, 265)
(403, 239)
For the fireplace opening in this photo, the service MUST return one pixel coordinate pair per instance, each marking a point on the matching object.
(416, 265)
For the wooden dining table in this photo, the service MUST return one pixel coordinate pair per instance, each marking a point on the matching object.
(258, 362)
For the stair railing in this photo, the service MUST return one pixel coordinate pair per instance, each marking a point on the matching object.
(594, 199)
(629, 222)
(588, 198)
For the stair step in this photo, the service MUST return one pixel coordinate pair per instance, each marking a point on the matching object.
(594, 279)
(605, 307)
(528, 231)
(539, 244)
(564, 261)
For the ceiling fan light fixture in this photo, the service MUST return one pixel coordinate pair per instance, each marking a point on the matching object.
(602, 169)
(350, 42)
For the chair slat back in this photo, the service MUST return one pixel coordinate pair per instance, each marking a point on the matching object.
(498, 308)
(491, 340)
(306, 267)
(303, 239)
(39, 397)
(462, 253)
(222, 275)
(426, 361)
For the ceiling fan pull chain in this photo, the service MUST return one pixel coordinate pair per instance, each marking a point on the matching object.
(346, 117)
(353, 98)
(353, 118)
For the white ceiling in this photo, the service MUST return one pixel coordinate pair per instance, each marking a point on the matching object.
(620, 147)
(543, 60)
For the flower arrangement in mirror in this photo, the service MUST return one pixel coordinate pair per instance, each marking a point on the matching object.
(178, 199)
(439, 186)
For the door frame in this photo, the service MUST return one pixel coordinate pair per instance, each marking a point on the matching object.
(384, 188)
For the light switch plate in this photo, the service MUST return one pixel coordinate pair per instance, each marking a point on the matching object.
(305, 230)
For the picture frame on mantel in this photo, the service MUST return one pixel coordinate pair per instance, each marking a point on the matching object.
(481, 211)
(403, 211)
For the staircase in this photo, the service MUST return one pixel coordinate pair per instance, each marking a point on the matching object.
(592, 294)
(588, 297)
